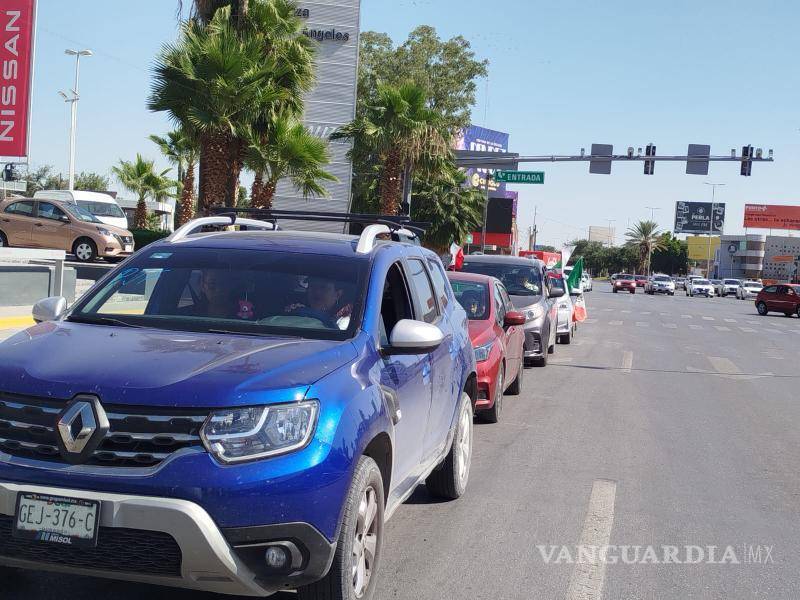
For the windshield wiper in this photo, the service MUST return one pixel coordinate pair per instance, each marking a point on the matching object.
(101, 321)
(227, 332)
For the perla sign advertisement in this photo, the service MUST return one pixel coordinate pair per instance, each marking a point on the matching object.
(700, 217)
(334, 25)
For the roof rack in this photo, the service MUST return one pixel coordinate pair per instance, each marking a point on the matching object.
(225, 220)
(396, 226)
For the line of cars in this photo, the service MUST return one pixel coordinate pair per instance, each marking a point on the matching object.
(693, 285)
(279, 395)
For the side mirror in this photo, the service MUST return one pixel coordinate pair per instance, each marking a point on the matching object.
(414, 337)
(49, 309)
(64, 219)
(556, 293)
(514, 318)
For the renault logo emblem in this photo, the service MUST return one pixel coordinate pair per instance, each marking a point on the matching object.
(81, 426)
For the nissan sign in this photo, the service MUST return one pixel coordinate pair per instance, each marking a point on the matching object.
(700, 217)
(17, 19)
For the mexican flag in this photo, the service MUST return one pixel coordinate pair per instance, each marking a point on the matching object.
(574, 283)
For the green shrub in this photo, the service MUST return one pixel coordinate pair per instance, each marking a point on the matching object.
(143, 237)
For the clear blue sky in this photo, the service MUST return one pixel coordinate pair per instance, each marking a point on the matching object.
(562, 75)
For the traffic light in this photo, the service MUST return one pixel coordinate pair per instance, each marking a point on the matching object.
(747, 163)
(9, 174)
(650, 165)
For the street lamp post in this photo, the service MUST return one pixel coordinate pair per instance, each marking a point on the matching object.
(652, 210)
(714, 187)
(73, 100)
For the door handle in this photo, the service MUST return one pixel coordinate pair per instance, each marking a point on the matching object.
(38, 224)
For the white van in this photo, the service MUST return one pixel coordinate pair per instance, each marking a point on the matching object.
(102, 206)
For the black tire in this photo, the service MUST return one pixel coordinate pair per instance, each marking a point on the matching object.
(633, 291)
(798, 310)
(449, 479)
(85, 250)
(516, 386)
(339, 583)
(762, 309)
(614, 290)
(789, 314)
(565, 338)
(3, 240)
(493, 414)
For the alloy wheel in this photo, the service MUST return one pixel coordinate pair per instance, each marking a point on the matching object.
(83, 251)
(464, 445)
(365, 542)
(498, 393)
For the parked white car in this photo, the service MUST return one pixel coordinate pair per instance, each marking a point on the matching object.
(566, 327)
(748, 289)
(587, 283)
(700, 287)
(728, 287)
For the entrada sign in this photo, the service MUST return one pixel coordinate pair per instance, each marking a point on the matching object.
(533, 177)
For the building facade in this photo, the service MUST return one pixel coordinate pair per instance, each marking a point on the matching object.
(335, 25)
(771, 258)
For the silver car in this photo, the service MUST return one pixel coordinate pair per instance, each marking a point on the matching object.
(527, 284)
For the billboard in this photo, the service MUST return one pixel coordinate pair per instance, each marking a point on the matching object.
(771, 216)
(700, 248)
(17, 18)
(700, 217)
(480, 139)
(603, 235)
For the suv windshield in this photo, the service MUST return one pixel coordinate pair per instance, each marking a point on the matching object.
(731, 282)
(661, 278)
(473, 297)
(519, 280)
(250, 292)
(701, 282)
(626, 277)
(102, 209)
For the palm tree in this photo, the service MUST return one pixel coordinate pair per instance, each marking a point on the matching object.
(291, 152)
(182, 150)
(141, 178)
(403, 133)
(646, 238)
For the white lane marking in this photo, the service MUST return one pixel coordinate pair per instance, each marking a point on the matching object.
(687, 317)
(730, 320)
(646, 313)
(724, 366)
(774, 331)
(708, 318)
(718, 328)
(608, 309)
(615, 323)
(664, 314)
(588, 578)
(625, 312)
(642, 324)
(670, 325)
(695, 326)
(748, 329)
(627, 361)
(753, 322)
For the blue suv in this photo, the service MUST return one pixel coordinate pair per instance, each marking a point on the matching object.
(236, 412)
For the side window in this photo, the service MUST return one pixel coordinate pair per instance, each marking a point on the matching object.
(506, 299)
(772, 289)
(440, 283)
(396, 303)
(499, 306)
(50, 211)
(24, 209)
(423, 291)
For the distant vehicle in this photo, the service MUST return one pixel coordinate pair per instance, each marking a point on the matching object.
(497, 335)
(680, 283)
(716, 283)
(587, 282)
(641, 280)
(624, 283)
(660, 284)
(700, 287)
(779, 298)
(727, 286)
(567, 326)
(52, 224)
(102, 206)
(748, 289)
(524, 279)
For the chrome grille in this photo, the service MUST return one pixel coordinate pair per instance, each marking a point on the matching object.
(138, 437)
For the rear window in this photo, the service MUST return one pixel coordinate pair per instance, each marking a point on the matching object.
(473, 298)
(661, 278)
(520, 280)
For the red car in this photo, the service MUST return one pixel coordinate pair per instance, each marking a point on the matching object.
(625, 283)
(641, 280)
(497, 335)
(779, 298)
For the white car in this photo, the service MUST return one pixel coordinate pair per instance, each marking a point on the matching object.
(566, 327)
(660, 284)
(700, 287)
(587, 283)
(728, 287)
(748, 289)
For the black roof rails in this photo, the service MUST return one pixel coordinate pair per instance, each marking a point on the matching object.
(395, 223)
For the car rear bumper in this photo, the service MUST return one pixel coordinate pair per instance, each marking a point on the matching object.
(170, 542)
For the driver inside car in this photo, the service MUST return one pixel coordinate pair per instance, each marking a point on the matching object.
(324, 302)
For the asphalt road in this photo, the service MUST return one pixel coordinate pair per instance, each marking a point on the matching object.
(670, 422)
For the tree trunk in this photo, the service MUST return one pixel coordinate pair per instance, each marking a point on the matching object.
(215, 171)
(255, 191)
(391, 184)
(140, 219)
(234, 170)
(265, 195)
(186, 208)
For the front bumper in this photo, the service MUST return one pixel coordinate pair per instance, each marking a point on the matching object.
(226, 561)
(534, 347)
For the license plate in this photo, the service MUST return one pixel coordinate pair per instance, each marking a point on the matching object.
(128, 247)
(56, 520)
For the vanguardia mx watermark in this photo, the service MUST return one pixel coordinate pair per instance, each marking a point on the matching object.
(657, 555)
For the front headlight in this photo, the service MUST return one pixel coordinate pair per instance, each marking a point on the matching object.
(242, 434)
(482, 352)
(105, 232)
(534, 312)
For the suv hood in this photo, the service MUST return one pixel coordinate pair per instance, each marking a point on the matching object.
(164, 368)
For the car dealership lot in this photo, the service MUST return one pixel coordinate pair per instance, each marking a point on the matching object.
(673, 418)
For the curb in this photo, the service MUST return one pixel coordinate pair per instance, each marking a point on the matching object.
(16, 322)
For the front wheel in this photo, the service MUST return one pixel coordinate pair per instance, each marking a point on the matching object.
(85, 250)
(449, 479)
(516, 386)
(493, 414)
(3, 240)
(353, 572)
(762, 309)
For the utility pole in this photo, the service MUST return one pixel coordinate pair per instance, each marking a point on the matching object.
(714, 187)
(535, 229)
(485, 214)
(652, 210)
(74, 110)
(611, 236)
